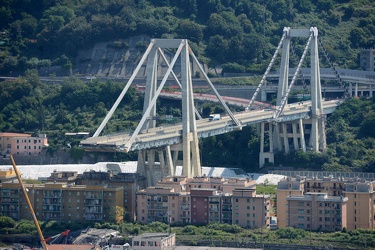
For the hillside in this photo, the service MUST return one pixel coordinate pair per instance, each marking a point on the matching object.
(240, 35)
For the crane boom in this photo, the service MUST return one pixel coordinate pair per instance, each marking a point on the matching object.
(29, 204)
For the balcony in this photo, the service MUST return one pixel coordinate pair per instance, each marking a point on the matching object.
(184, 215)
(226, 208)
(185, 207)
(52, 194)
(49, 216)
(9, 193)
(156, 207)
(9, 200)
(52, 201)
(90, 216)
(93, 202)
(52, 208)
(93, 210)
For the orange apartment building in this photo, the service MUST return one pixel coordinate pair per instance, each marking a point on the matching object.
(287, 187)
(317, 211)
(21, 144)
(360, 204)
(249, 209)
(201, 200)
(61, 201)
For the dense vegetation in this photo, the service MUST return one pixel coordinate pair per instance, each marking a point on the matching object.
(240, 35)
(214, 234)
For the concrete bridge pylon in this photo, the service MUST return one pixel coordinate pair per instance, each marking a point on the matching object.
(159, 69)
(280, 133)
(190, 150)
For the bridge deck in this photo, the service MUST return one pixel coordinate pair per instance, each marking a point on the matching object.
(170, 135)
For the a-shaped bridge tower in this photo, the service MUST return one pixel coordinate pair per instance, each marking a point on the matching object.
(167, 149)
(281, 131)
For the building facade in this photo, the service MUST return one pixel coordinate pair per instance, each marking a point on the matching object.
(287, 187)
(361, 204)
(181, 200)
(22, 144)
(317, 211)
(358, 212)
(61, 202)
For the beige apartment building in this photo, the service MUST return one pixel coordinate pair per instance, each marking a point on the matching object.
(285, 188)
(200, 200)
(61, 201)
(317, 211)
(158, 204)
(331, 186)
(22, 144)
(360, 204)
(249, 209)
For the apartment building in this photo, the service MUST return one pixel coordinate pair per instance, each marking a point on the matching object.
(331, 186)
(317, 211)
(361, 204)
(158, 204)
(131, 182)
(287, 187)
(205, 206)
(249, 209)
(61, 201)
(22, 144)
(201, 201)
(6, 141)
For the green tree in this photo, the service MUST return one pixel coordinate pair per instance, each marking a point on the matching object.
(6, 222)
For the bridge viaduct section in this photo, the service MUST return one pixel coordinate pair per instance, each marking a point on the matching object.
(287, 126)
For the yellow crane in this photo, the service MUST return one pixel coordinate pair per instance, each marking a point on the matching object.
(29, 204)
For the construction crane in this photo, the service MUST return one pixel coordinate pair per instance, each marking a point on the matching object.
(29, 204)
(53, 239)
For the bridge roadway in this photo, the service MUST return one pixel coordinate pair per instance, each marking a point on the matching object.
(170, 135)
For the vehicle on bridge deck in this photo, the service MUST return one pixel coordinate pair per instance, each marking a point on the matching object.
(214, 117)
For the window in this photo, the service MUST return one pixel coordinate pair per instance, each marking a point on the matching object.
(301, 203)
(301, 211)
(237, 207)
(301, 218)
(248, 207)
(248, 215)
(236, 214)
